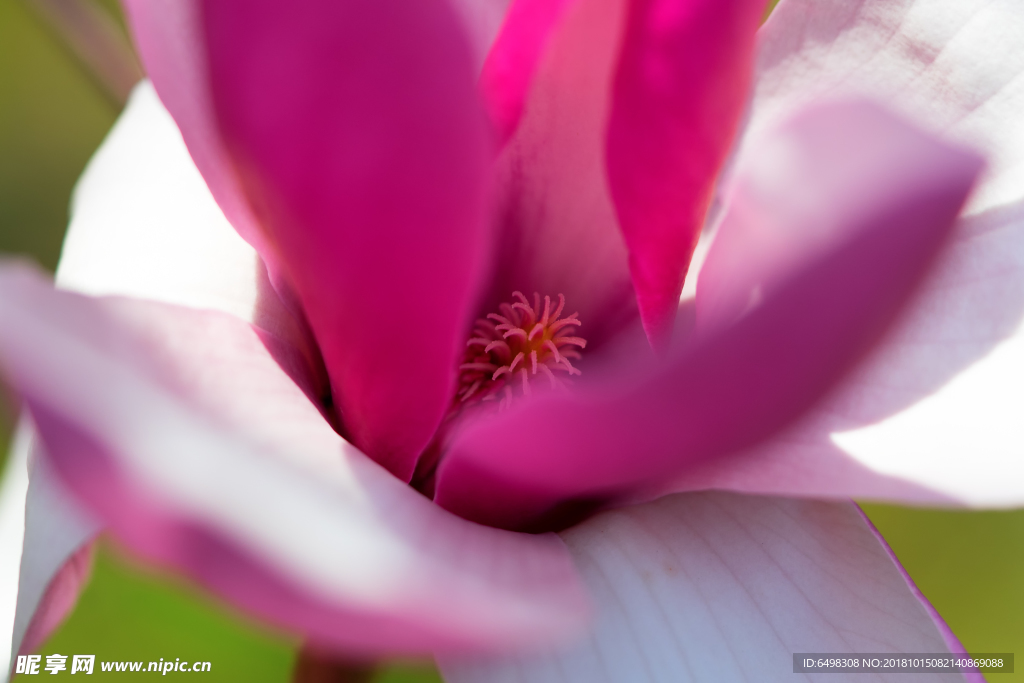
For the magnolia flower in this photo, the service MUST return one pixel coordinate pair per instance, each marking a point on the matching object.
(298, 420)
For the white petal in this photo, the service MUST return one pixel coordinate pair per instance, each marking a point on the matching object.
(39, 515)
(13, 490)
(721, 587)
(144, 224)
(56, 527)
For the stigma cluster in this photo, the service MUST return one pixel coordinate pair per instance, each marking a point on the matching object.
(517, 346)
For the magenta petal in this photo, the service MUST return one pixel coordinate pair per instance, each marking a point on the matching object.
(822, 244)
(512, 61)
(682, 82)
(358, 133)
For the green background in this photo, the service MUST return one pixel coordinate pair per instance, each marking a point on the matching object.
(969, 564)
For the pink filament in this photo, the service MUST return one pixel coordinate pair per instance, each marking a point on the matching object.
(502, 342)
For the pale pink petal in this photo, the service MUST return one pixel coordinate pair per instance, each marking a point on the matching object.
(824, 240)
(946, 384)
(181, 430)
(681, 85)
(952, 66)
(559, 233)
(372, 189)
(808, 186)
(56, 555)
(513, 59)
(721, 587)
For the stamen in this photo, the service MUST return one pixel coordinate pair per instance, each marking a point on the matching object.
(472, 389)
(515, 361)
(578, 341)
(517, 331)
(561, 305)
(526, 381)
(555, 327)
(569, 367)
(551, 376)
(498, 344)
(521, 338)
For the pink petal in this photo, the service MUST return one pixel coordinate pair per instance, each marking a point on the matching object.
(512, 61)
(681, 85)
(720, 587)
(813, 261)
(559, 233)
(948, 382)
(356, 129)
(182, 432)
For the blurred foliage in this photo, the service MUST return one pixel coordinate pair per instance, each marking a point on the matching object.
(51, 120)
(132, 612)
(137, 614)
(970, 565)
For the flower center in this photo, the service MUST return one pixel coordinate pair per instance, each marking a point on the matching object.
(510, 349)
